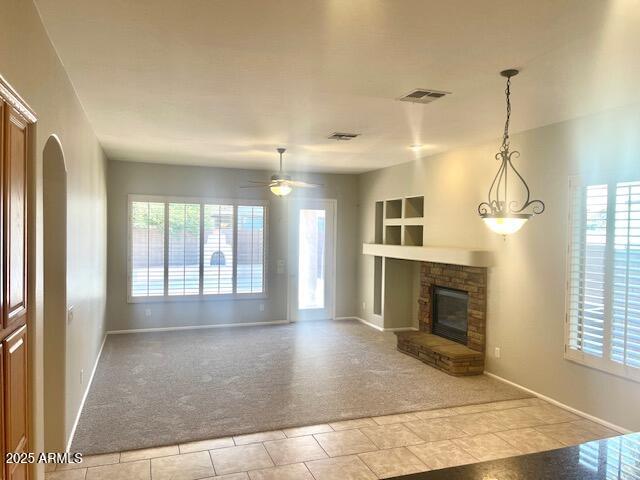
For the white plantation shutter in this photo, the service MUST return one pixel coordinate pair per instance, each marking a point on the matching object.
(146, 276)
(195, 248)
(218, 249)
(587, 270)
(603, 294)
(625, 331)
(250, 233)
(184, 249)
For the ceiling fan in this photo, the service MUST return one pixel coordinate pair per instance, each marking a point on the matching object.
(282, 184)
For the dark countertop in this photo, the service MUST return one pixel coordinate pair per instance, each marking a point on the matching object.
(608, 459)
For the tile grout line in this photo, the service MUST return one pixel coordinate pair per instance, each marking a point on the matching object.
(213, 467)
(269, 454)
(318, 442)
(212, 464)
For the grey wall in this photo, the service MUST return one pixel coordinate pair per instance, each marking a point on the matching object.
(29, 62)
(126, 178)
(526, 294)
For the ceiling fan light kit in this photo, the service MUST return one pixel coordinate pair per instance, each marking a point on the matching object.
(281, 189)
(500, 213)
(281, 184)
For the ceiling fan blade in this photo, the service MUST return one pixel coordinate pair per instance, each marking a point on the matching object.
(255, 186)
(258, 182)
(299, 183)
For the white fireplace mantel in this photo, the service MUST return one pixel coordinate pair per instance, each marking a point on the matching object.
(449, 255)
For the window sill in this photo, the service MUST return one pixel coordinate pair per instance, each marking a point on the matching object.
(199, 298)
(612, 368)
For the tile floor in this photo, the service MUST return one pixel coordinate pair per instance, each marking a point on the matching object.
(360, 449)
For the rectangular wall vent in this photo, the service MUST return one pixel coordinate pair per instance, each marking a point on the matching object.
(342, 136)
(423, 95)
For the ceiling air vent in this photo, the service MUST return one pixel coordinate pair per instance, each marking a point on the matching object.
(342, 136)
(423, 95)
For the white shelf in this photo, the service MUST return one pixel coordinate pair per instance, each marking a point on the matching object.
(404, 221)
(394, 221)
(413, 221)
(450, 255)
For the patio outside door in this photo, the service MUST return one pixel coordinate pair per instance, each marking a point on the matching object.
(312, 259)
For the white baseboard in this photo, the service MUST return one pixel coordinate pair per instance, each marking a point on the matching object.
(610, 425)
(377, 327)
(195, 327)
(85, 394)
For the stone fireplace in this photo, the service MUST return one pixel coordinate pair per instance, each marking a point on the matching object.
(452, 319)
(460, 278)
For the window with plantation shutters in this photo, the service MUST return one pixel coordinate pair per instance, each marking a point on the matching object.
(250, 248)
(219, 255)
(195, 248)
(184, 249)
(603, 295)
(146, 255)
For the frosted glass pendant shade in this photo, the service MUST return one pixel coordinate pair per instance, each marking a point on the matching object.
(505, 225)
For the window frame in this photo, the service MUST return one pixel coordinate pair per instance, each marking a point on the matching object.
(605, 363)
(202, 201)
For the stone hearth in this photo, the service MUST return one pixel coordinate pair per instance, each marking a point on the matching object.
(451, 357)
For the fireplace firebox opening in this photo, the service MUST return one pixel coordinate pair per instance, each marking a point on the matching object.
(450, 308)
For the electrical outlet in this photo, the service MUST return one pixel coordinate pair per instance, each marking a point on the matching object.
(496, 352)
(364, 306)
(147, 312)
(262, 307)
(82, 377)
(280, 267)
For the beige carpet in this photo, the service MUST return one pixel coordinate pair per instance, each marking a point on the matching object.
(153, 389)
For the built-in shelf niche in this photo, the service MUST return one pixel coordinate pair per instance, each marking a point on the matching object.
(393, 208)
(377, 285)
(379, 222)
(393, 235)
(398, 222)
(413, 235)
(414, 207)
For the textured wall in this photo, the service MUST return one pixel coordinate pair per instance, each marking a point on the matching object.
(29, 62)
(526, 287)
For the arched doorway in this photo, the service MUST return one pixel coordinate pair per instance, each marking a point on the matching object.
(54, 200)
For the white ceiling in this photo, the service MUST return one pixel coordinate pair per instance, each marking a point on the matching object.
(224, 82)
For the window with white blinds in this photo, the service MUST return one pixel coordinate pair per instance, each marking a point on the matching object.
(603, 304)
(250, 248)
(195, 248)
(146, 255)
(184, 249)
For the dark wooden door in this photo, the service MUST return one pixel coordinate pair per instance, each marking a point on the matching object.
(15, 399)
(15, 128)
(2, 449)
(15, 219)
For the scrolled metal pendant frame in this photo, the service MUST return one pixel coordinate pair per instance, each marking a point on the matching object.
(498, 204)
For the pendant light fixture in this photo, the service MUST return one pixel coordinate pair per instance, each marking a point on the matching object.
(501, 213)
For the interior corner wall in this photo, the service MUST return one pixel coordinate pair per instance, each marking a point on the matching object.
(30, 64)
(526, 289)
(125, 178)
